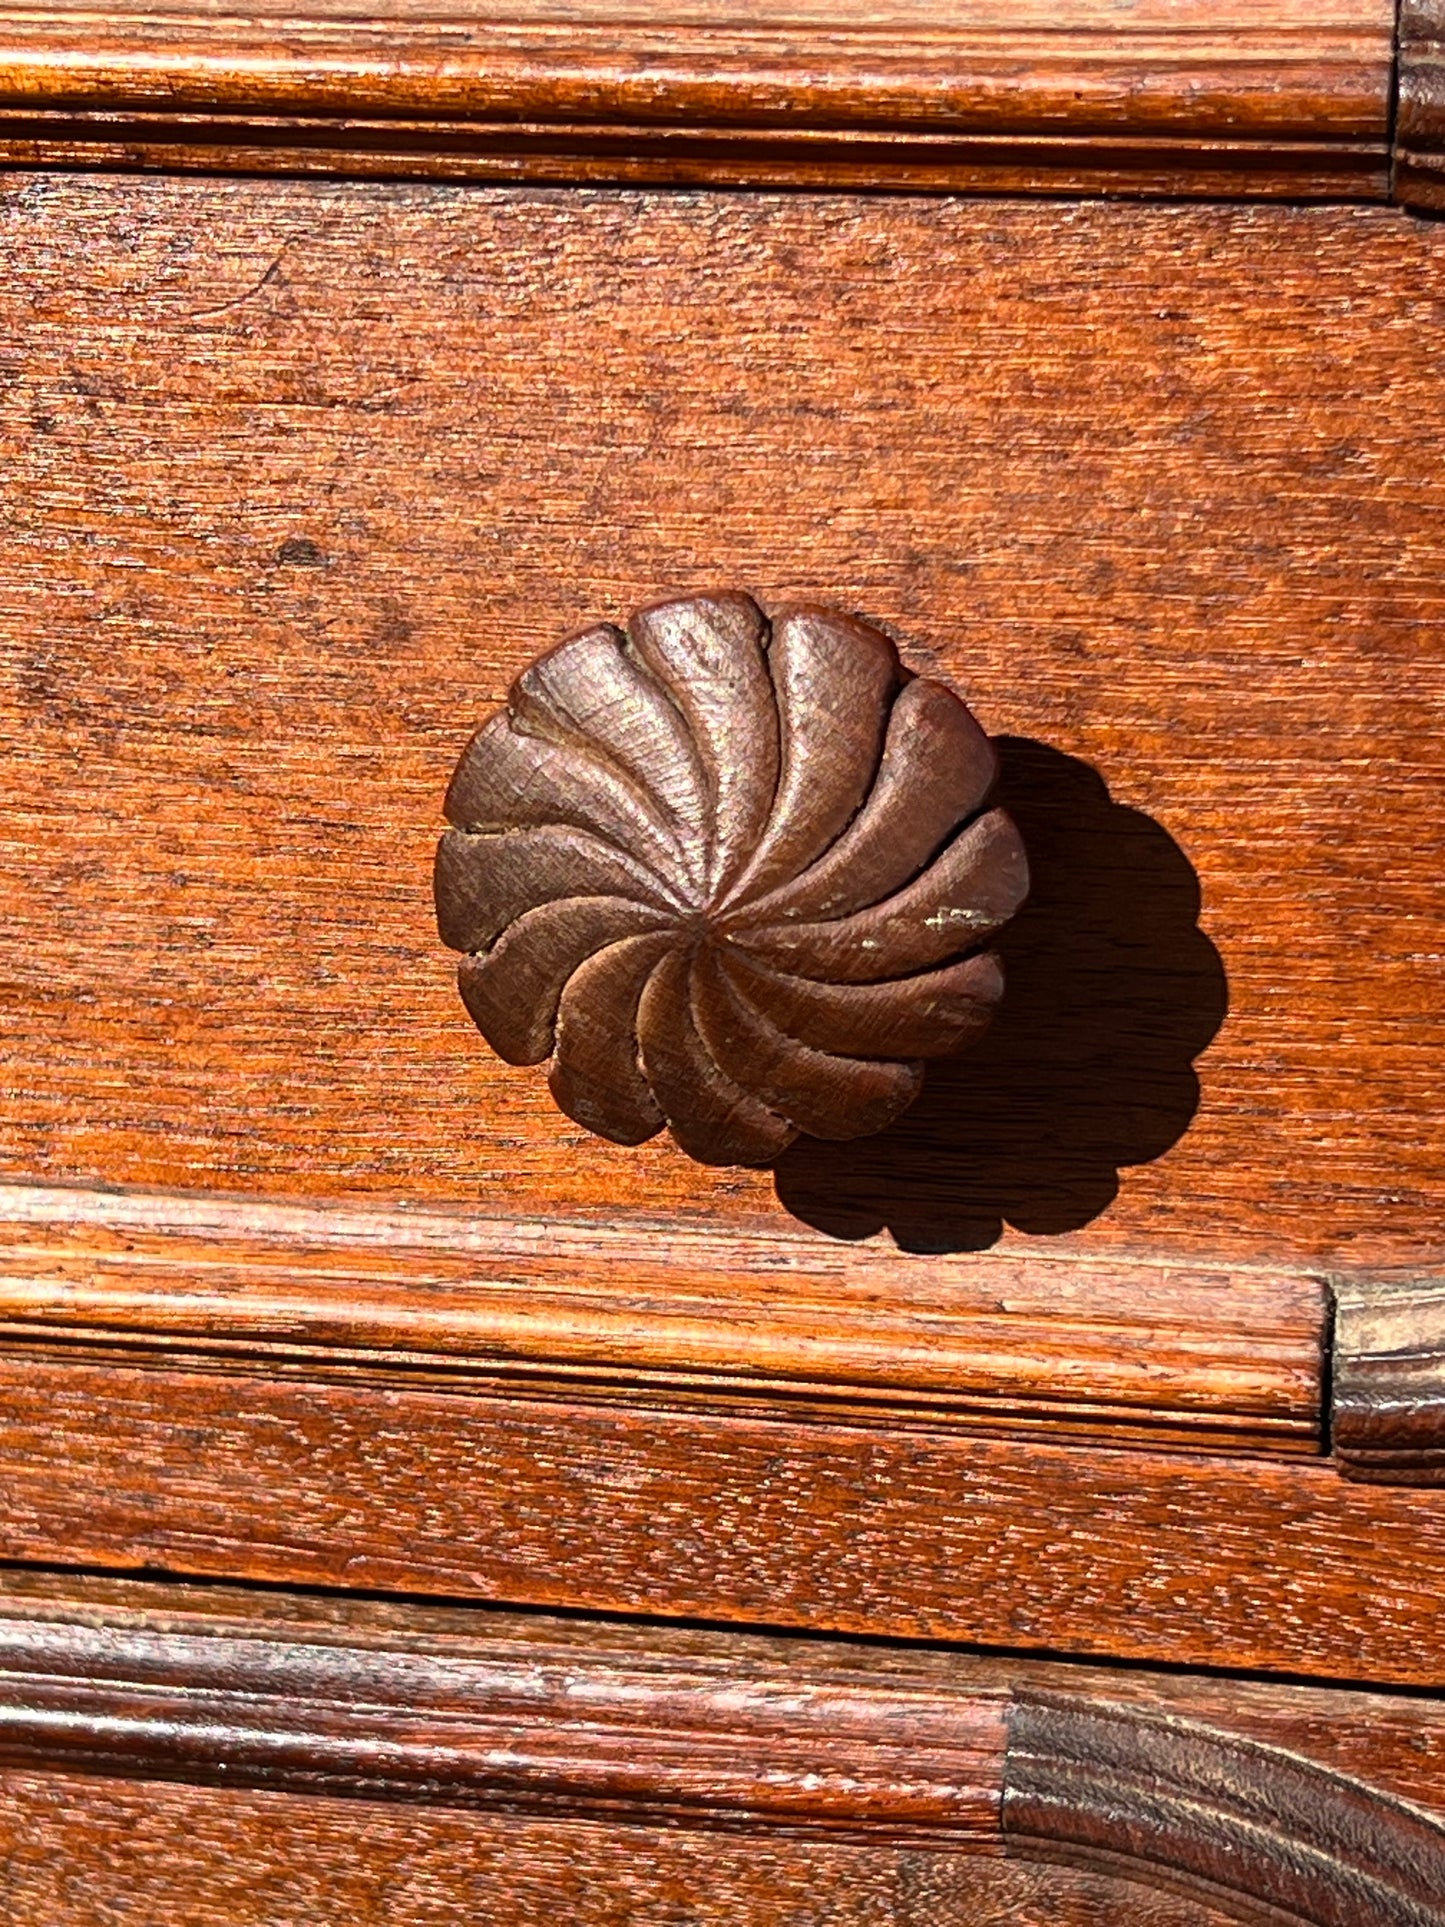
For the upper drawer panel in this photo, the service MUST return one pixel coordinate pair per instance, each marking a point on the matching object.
(299, 476)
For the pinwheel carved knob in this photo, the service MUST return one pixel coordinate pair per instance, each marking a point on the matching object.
(729, 876)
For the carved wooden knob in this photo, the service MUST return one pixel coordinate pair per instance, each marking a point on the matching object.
(728, 877)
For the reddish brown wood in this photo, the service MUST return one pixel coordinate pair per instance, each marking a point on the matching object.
(674, 1320)
(100, 1853)
(1215, 98)
(515, 1726)
(1387, 1382)
(297, 475)
(300, 475)
(725, 873)
(119, 1628)
(1248, 1823)
(340, 1482)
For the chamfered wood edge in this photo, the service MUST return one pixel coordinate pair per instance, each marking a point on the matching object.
(1249, 1823)
(519, 1715)
(1219, 101)
(1387, 1381)
(773, 1323)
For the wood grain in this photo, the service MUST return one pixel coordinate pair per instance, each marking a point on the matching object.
(302, 477)
(672, 1320)
(1393, 1741)
(100, 1853)
(1419, 159)
(1387, 1381)
(1248, 1822)
(798, 1744)
(1216, 98)
(1158, 1557)
(519, 1730)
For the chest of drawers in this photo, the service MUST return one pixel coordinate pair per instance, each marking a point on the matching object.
(417, 1507)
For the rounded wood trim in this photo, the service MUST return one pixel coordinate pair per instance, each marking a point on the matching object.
(1219, 98)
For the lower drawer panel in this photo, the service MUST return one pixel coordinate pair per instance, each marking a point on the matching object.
(199, 1756)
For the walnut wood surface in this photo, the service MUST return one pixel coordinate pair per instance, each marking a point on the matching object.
(1387, 1405)
(1216, 98)
(299, 474)
(1282, 1796)
(1154, 1556)
(730, 874)
(672, 1319)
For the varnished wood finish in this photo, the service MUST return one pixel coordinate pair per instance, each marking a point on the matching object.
(1419, 174)
(1207, 575)
(333, 1481)
(1248, 1822)
(670, 1318)
(517, 1726)
(124, 1629)
(1388, 1381)
(103, 1853)
(1248, 1788)
(1219, 98)
(729, 874)
(300, 476)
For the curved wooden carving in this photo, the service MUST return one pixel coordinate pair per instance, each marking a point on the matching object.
(728, 876)
(1387, 1403)
(1255, 1827)
(1419, 156)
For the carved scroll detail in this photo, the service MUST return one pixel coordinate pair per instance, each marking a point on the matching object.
(1260, 1830)
(728, 876)
(1387, 1407)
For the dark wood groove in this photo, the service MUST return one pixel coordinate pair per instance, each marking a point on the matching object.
(1419, 139)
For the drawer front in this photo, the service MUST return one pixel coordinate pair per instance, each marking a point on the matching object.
(302, 475)
(212, 1755)
(98, 1853)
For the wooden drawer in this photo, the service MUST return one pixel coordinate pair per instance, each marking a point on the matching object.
(352, 365)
